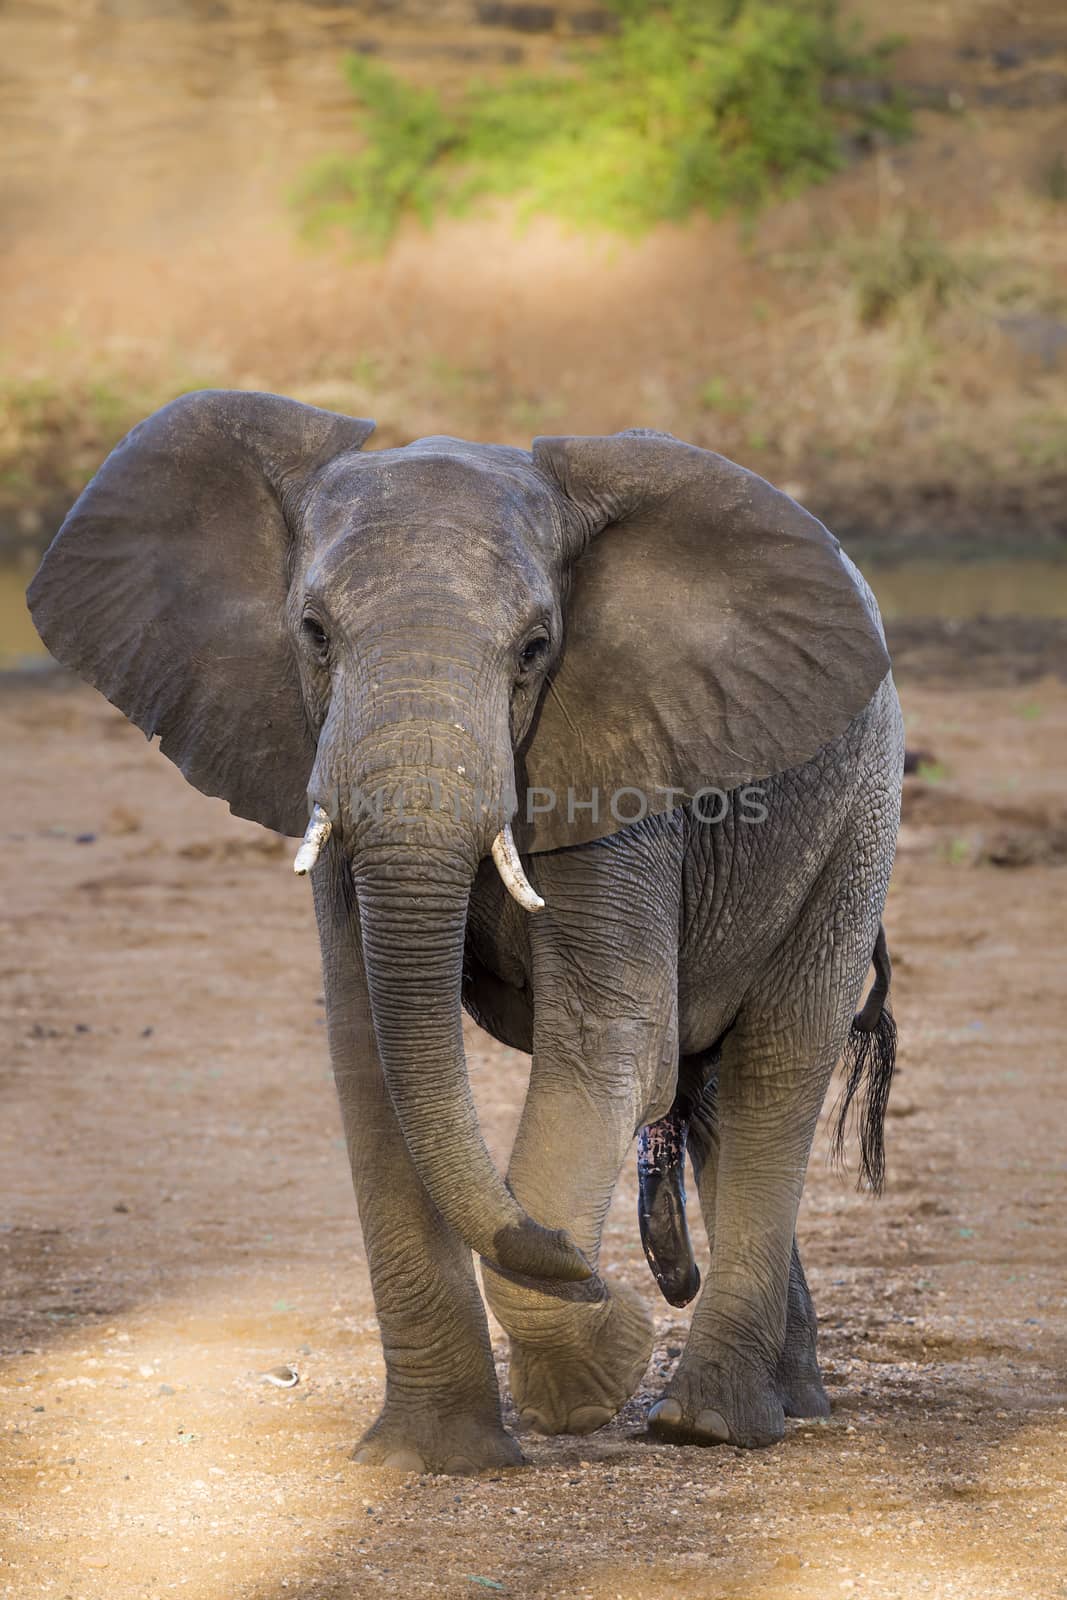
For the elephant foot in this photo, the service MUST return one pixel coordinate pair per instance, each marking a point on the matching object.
(802, 1396)
(797, 1375)
(419, 1441)
(707, 1404)
(579, 1372)
(799, 1382)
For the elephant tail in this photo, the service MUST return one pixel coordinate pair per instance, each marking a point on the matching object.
(870, 1058)
(868, 1019)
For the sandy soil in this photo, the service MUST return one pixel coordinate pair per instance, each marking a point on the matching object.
(178, 1220)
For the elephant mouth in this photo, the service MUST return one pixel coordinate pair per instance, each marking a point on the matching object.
(504, 853)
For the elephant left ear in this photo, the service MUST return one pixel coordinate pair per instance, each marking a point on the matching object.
(716, 634)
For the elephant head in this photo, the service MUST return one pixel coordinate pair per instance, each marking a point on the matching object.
(430, 642)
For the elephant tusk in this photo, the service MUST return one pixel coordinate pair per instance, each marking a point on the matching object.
(318, 831)
(509, 867)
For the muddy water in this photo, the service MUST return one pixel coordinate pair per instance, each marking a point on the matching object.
(19, 644)
(994, 587)
(943, 589)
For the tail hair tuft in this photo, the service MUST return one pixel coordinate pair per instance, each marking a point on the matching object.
(870, 1059)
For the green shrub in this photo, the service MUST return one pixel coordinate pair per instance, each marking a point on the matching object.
(718, 394)
(1053, 178)
(691, 105)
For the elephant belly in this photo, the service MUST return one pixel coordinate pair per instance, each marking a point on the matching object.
(496, 974)
(501, 1009)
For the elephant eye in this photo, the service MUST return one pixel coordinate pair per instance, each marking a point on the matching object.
(533, 651)
(315, 635)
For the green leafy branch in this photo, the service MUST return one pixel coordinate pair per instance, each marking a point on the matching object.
(690, 105)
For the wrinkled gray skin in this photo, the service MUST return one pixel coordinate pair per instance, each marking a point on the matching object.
(301, 623)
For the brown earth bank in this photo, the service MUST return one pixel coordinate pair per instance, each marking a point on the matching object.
(178, 1221)
(149, 246)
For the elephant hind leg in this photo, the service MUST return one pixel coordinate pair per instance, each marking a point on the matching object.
(691, 1124)
(797, 1375)
(777, 1061)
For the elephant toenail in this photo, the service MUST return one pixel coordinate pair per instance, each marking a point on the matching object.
(460, 1466)
(404, 1461)
(669, 1412)
(586, 1419)
(363, 1455)
(711, 1426)
(533, 1419)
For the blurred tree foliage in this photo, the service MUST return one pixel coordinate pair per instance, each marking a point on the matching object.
(690, 105)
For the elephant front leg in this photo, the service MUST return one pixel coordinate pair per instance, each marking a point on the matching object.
(442, 1402)
(604, 1047)
(578, 1351)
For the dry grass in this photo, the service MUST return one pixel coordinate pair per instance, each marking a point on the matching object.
(769, 352)
(902, 324)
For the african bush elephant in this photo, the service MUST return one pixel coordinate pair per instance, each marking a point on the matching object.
(599, 741)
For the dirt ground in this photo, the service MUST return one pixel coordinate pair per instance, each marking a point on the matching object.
(177, 1221)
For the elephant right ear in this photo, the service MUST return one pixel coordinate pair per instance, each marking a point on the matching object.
(166, 587)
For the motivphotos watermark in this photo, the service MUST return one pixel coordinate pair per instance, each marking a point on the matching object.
(416, 797)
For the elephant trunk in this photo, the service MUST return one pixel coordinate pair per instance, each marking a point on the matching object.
(422, 797)
(413, 917)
